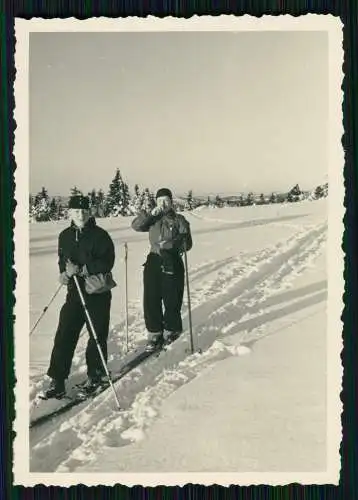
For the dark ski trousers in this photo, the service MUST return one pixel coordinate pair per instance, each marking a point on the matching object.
(71, 321)
(160, 290)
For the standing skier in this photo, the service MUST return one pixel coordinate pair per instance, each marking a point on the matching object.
(87, 251)
(169, 234)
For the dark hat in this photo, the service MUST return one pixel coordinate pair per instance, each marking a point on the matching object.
(79, 201)
(164, 192)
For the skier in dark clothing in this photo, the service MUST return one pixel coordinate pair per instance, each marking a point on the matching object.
(87, 251)
(169, 234)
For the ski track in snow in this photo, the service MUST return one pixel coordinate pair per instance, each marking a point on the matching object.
(117, 338)
(242, 291)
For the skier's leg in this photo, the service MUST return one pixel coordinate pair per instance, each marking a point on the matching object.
(70, 324)
(152, 301)
(99, 308)
(173, 291)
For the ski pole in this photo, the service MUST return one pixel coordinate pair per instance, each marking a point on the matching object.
(189, 302)
(93, 332)
(45, 309)
(126, 291)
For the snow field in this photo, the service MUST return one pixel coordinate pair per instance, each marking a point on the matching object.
(240, 274)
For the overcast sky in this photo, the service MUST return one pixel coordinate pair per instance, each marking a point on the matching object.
(208, 111)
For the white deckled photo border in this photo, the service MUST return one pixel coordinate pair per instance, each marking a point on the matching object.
(335, 258)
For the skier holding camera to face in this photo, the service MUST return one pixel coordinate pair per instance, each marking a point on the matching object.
(169, 236)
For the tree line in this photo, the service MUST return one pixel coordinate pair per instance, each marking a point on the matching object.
(119, 201)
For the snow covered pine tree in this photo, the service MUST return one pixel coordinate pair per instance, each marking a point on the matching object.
(41, 210)
(118, 197)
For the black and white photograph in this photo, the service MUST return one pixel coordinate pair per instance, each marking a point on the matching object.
(179, 222)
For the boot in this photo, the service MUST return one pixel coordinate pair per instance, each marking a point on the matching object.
(95, 381)
(155, 340)
(170, 336)
(56, 389)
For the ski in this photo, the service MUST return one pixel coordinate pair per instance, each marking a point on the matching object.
(75, 397)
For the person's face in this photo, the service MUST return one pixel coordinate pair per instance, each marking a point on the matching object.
(165, 203)
(79, 216)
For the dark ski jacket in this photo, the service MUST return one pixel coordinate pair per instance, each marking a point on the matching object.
(91, 247)
(172, 228)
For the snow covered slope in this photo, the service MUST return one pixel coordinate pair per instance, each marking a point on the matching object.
(245, 272)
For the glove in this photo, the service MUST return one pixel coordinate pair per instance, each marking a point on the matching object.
(84, 272)
(156, 211)
(165, 245)
(183, 241)
(64, 279)
(180, 241)
(71, 269)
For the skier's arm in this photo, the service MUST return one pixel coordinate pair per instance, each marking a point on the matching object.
(143, 221)
(103, 261)
(61, 256)
(63, 278)
(184, 239)
(188, 241)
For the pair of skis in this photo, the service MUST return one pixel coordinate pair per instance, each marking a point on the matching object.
(76, 396)
(81, 397)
